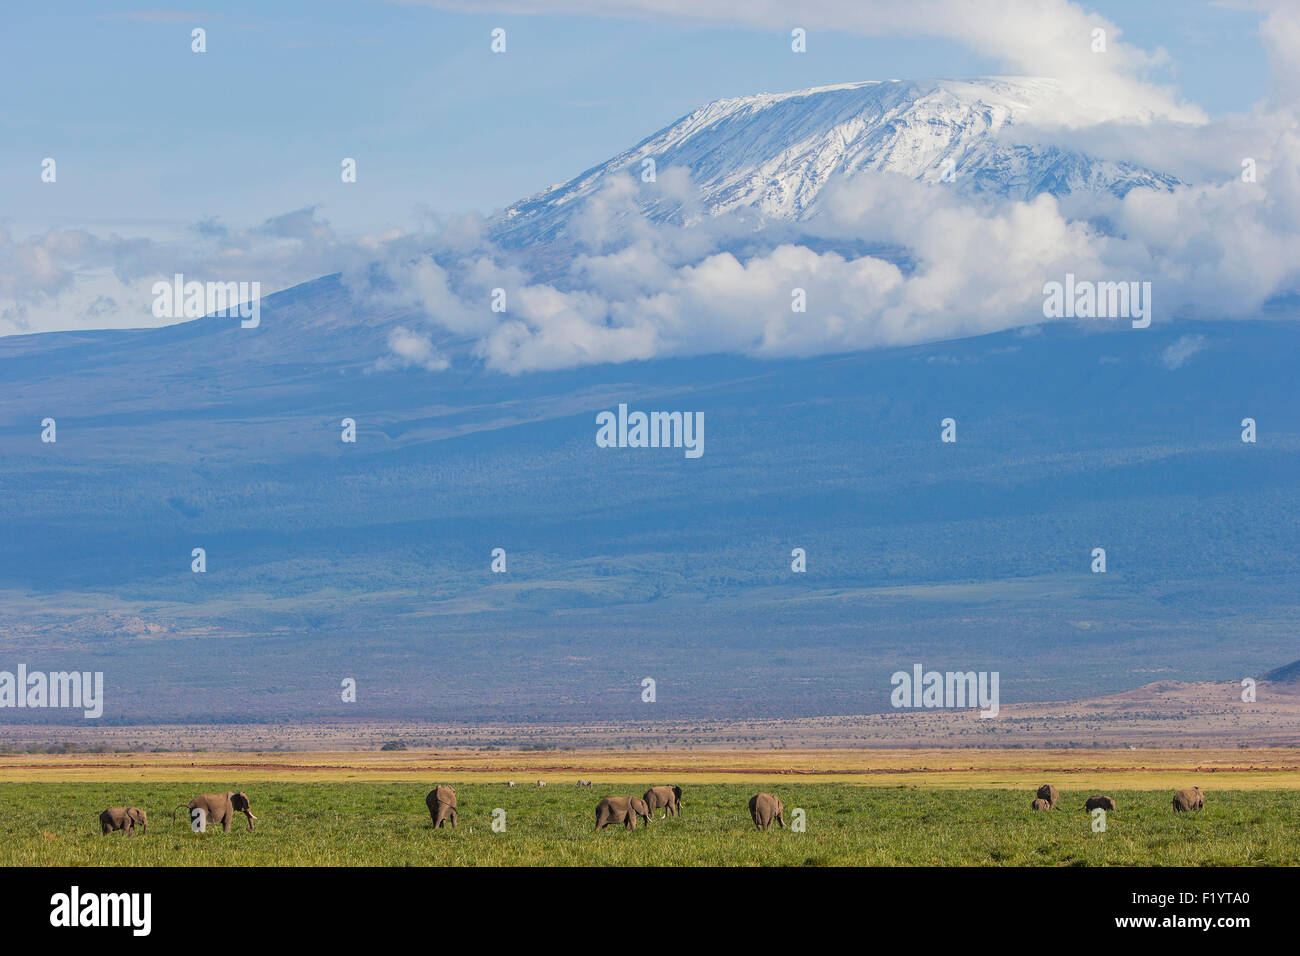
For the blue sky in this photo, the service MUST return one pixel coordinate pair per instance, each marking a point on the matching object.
(150, 137)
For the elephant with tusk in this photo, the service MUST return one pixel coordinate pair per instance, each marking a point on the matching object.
(220, 808)
(441, 802)
(125, 819)
(670, 798)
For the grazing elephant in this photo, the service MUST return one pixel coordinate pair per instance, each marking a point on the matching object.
(1041, 804)
(1050, 794)
(441, 802)
(511, 784)
(1193, 799)
(220, 808)
(623, 810)
(670, 798)
(541, 783)
(764, 808)
(123, 818)
(1106, 803)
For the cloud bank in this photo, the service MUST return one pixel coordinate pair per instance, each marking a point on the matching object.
(884, 260)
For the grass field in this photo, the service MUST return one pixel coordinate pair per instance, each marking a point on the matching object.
(1099, 770)
(342, 824)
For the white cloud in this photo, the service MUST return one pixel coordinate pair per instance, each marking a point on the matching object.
(1179, 352)
(413, 348)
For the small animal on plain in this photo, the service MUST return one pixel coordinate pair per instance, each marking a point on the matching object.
(441, 802)
(764, 808)
(511, 784)
(1041, 804)
(670, 798)
(1105, 803)
(624, 810)
(541, 783)
(1185, 800)
(125, 819)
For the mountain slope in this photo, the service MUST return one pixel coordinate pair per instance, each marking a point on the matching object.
(770, 156)
(371, 560)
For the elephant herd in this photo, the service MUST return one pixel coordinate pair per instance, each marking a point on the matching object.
(1184, 800)
(764, 808)
(217, 808)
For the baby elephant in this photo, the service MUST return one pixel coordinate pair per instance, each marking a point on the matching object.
(764, 808)
(441, 802)
(1050, 794)
(1041, 804)
(623, 810)
(1106, 803)
(220, 808)
(123, 818)
(1193, 799)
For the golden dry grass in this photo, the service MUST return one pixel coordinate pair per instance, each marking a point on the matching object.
(1256, 769)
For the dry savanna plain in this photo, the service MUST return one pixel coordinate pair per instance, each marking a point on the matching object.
(855, 807)
(905, 789)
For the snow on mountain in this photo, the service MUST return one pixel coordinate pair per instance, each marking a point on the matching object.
(774, 153)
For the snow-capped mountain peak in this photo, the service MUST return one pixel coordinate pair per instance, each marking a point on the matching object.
(773, 153)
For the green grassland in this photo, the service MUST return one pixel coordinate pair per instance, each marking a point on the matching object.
(347, 824)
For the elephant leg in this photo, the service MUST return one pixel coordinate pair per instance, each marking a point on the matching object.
(453, 818)
(129, 828)
(225, 822)
(631, 820)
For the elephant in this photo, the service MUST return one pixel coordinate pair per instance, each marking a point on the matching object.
(764, 808)
(1193, 799)
(221, 808)
(1041, 804)
(123, 818)
(1050, 794)
(441, 802)
(511, 784)
(623, 810)
(541, 783)
(1105, 803)
(670, 798)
